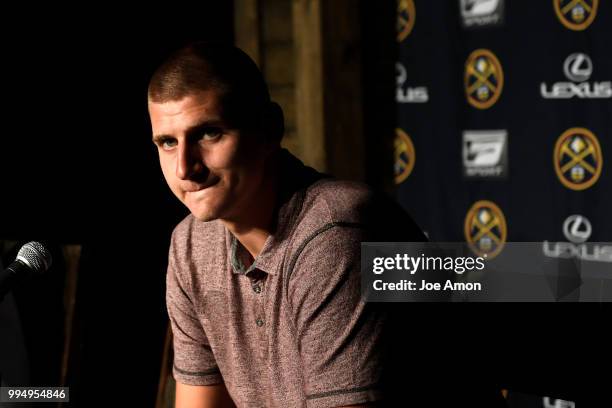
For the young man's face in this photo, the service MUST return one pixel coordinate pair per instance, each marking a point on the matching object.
(212, 168)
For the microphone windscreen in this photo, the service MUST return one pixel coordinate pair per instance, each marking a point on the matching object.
(36, 256)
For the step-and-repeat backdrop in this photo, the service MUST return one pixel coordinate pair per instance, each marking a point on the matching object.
(504, 126)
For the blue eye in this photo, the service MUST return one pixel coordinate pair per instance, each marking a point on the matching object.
(211, 134)
(167, 144)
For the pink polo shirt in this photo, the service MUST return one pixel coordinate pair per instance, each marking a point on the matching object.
(292, 329)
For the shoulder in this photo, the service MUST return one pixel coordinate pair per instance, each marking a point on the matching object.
(331, 220)
(336, 201)
(192, 236)
(326, 243)
(335, 210)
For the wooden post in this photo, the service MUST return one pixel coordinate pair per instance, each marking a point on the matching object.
(247, 30)
(309, 81)
(328, 85)
(166, 388)
(315, 74)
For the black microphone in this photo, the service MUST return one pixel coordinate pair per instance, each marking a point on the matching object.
(32, 259)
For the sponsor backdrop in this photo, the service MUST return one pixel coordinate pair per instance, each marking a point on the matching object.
(504, 126)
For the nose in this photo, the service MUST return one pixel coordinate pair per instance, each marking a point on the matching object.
(189, 161)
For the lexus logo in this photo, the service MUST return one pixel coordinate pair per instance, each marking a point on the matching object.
(577, 229)
(578, 67)
(557, 403)
(408, 94)
(402, 75)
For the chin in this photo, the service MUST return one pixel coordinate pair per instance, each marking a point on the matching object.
(202, 210)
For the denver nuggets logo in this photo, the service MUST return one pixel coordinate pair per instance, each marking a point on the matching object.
(406, 14)
(577, 157)
(403, 156)
(576, 15)
(483, 79)
(485, 229)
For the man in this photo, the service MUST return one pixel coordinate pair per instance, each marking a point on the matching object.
(263, 284)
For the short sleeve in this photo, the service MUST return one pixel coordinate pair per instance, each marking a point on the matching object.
(339, 335)
(194, 363)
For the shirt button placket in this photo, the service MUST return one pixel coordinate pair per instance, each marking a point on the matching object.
(256, 286)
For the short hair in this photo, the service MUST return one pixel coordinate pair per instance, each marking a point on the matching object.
(203, 66)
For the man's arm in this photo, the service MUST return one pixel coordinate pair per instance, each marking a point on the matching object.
(202, 396)
(198, 380)
(339, 335)
(215, 396)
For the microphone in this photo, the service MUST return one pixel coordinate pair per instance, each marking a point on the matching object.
(32, 259)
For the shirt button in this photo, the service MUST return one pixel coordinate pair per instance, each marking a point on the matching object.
(257, 289)
(259, 322)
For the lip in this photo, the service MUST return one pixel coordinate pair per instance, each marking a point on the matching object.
(199, 187)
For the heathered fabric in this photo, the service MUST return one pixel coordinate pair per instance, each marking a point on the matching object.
(304, 338)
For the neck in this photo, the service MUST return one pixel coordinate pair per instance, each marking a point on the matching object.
(253, 227)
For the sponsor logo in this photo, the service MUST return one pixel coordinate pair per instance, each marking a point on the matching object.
(578, 68)
(485, 229)
(576, 15)
(577, 159)
(478, 13)
(406, 14)
(404, 156)
(577, 229)
(483, 79)
(485, 153)
(405, 94)
(548, 402)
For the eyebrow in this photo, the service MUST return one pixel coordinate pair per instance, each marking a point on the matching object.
(211, 123)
